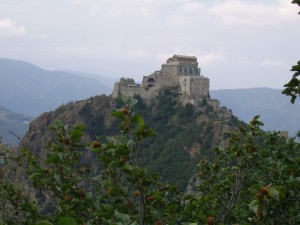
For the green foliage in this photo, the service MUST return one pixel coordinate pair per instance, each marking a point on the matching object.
(128, 188)
(292, 88)
(166, 106)
(94, 119)
(122, 192)
(245, 182)
(43, 222)
(249, 182)
(17, 207)
(177, 131)
(59, 177)
(187, 114)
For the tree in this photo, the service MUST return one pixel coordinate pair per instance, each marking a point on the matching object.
(249, 182)
(292, 88)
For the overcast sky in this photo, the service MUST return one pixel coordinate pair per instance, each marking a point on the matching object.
(238, 43)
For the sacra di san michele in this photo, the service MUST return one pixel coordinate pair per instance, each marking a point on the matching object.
(179, 71)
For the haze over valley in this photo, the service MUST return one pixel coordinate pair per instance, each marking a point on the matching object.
(30, 90)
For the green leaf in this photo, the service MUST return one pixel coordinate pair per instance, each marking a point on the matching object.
(118, 114)
(106, 211)
(287, 91)
(52, 159)
(81, 127)
(274, 194)
(137, 118)
(188, 223)
(43, 222)
(293, 82)
(76, 135)
(125, 218)
(66, 221)
(131, 102)
(254, 205)
(150, 133)
(127, 168)
(33, 176)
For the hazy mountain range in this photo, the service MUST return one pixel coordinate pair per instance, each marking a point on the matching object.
(31, 90)
(26, 89)
(275, 109)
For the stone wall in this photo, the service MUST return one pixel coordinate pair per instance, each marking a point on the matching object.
(194, 86)
(214, 103)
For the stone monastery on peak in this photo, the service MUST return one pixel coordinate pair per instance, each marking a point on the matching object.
(179, 71)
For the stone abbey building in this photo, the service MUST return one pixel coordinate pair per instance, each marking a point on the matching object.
(179, 71)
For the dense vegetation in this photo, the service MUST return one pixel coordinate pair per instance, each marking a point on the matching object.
(177, 131)
(246, 182)
(184, 133)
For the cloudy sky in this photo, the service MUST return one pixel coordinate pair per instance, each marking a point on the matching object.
(238, 43)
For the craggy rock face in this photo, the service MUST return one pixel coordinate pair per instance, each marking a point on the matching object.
(95, 110)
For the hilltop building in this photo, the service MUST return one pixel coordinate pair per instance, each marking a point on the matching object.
(179, 71)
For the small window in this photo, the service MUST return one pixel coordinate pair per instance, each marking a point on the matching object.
(151, 80)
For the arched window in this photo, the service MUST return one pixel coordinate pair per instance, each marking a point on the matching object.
(151, 80)
(185, 70)
(195, 70)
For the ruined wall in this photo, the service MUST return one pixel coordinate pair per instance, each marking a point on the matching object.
(214, 103)
(194, 86)
(126, 86)
(152, 81)
(178, 70)
(169, 74)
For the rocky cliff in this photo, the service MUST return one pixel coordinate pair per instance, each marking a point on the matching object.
(185, 133)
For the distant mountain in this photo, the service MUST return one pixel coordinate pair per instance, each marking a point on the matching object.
(12, 124)
(107, 81)
(32, 90)
(275, 109)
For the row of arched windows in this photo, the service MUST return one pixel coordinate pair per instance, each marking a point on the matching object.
(189, 70)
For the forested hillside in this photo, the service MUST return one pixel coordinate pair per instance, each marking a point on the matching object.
(184, 134)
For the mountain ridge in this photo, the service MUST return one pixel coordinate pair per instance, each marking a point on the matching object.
(274, 108)
(32, 90)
